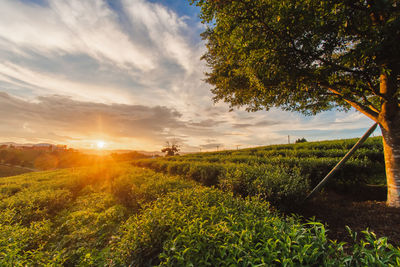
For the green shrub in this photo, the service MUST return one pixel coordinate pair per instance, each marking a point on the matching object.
(71, 217)
(87, 231)
(126, 192)
(137, 187)
(371, 251)
(205, 227)
(205, 173)
(276, 184)
(36, 205)
(27, 245)
(74, 217)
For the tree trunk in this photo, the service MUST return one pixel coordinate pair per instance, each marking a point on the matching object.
(391, 147)
(389, 121)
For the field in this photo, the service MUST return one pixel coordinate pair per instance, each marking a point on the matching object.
(281, 174)
(11, 171)
(28, 158)
(117, 214)
(284, 174)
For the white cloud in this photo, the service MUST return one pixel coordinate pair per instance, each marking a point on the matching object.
(164, 28)
(47, 83)
(87, 27)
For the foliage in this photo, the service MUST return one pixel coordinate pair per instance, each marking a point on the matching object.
(10, 171)
(281, 174)
(307, 55)
(301, 140)
(128, 156)
(71, 216)
(205, 227)
(273, 183)
(171, 149)
(46, 162)
(119, 215)
(47, 159)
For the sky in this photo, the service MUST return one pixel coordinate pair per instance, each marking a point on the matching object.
(128, 72)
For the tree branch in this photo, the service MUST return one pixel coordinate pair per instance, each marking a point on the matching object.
(374, 90)
(360, 107)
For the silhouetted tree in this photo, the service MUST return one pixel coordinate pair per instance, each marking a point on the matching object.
(171, 149)
(301, 140)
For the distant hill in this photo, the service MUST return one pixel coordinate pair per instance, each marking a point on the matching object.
(119, 151)
(26, 144)
(14, 144)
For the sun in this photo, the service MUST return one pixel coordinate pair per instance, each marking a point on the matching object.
(100, 144)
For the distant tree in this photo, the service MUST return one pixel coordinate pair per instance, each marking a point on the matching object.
(310, 56)
(171, 148)
(13, 160)
(301, 140)
(128, 156)
(46, 162)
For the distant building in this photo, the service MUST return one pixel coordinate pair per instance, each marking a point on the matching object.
(25, 147)
(43, 147)
(60, 147)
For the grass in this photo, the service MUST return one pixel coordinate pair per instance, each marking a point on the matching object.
(11, 171)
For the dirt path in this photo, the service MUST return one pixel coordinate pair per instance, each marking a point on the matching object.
(337, 211)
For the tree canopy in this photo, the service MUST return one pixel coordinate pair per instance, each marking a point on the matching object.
(306, 56)
(171, 148)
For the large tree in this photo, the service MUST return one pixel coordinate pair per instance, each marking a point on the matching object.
(310, 56)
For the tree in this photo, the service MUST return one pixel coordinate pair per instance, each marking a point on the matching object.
(310, 56)
(171, 149)
(46, 161)
(301, 140)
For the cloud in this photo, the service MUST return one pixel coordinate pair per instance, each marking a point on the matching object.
(262, 123)
(207, 123)
(145, 44)
(163, 28)
(73, 27)
(45, 82)
(242, 125)
(62, 119)
(62, 116)
(212, 146)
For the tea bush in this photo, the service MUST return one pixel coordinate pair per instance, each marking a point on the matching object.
(280, 173)
(205, 227)
(119, 215)
(273, 183)
(27, 245)
(70, 216)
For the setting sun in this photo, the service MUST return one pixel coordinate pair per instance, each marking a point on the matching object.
(100, 144)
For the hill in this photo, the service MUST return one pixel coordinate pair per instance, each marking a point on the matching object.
(281, 173)
(23, 159)
(119, 215)
(285, 174)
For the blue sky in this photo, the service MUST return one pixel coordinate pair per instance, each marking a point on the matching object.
(127, 72)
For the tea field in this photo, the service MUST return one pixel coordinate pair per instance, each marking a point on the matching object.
(281, 174)
(116, 214)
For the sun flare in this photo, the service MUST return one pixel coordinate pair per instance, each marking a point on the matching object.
(100, 144)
